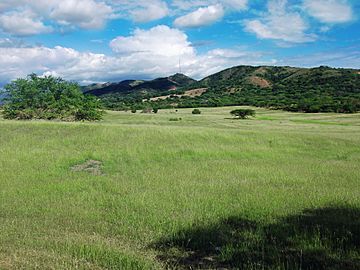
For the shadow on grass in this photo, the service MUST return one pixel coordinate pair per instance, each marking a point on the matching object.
(326, 238)
(237, 118)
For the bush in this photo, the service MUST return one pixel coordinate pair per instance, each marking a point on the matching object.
(175, 119)
(155, 110)
(133, 110)
(49, 98)
(196, 111)
(242, 113)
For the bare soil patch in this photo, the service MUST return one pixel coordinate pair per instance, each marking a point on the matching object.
(190, 93)
(91, 166)
(258, 81)
(195, 92)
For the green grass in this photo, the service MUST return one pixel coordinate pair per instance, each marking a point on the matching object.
(279, 191)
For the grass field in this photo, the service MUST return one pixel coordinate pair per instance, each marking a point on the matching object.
(280, 191)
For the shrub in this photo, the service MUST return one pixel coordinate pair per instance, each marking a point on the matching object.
(175, 119)
(196, 111)
(155, 110)
(133, 110)
(242, 113)
(49, 98)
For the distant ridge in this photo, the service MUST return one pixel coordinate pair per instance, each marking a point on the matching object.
(156, 86)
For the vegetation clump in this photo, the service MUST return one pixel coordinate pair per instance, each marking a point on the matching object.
(243, 113)
(196, 111)
(175, 119)
(49, 98)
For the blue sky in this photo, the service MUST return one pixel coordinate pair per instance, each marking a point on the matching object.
(99, 40)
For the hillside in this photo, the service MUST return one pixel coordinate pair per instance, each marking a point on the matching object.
(142, 88)
(321, 89)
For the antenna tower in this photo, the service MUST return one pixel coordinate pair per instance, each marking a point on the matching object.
(180, 66)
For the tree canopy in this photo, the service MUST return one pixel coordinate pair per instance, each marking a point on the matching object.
(49, 98)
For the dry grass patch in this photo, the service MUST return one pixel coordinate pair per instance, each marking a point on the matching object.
(91, 166)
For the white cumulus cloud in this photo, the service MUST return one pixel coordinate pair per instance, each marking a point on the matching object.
(86, 14)
(28, 17)
(201, 17)
(144, 54)
(280, 24)
(329, 11)
(22, 23)
(160, 40)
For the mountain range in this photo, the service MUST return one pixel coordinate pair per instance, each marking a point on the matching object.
(321, 89)
(156, 86)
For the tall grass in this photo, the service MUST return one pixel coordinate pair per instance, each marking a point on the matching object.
(207, 191)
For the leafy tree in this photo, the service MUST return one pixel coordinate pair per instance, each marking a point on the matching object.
(242, 113)
(196, 111)
(49, 98)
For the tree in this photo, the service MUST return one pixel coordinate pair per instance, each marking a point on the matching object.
(243, 113)
(49, 98)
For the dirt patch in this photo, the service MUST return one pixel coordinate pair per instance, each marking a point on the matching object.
(258, 81)
(91, 166)
(189, 93)
(195, 92)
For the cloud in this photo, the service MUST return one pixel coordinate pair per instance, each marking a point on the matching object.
(235, 4)
(160, 40)
(329, 11)
(85, 14)
(201, 17)
(74, 65)
(339, 57)
(25, 17)
(23, 23)
(144, 54)
(45, 15)
(280, 24)
(194, 4)
(150, 11)
(141, 11)
(12, 43)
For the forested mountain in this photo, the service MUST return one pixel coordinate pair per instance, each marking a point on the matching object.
(321, 89)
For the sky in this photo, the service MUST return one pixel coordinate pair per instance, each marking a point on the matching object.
(92, 41)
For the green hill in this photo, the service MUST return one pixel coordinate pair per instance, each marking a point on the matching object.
(141, 88)
(322, 89)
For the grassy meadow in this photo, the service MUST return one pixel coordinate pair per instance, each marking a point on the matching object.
(279, 191)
